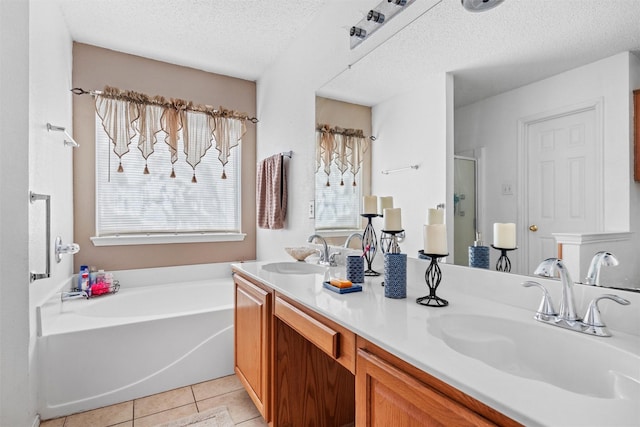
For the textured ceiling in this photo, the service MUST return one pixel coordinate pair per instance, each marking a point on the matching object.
(239, 38)
(512, 45)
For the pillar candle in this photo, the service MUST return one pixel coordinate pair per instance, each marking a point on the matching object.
(435, 216)
(392, 219)
(504, 235)
(384, 202)
(370, 205)
(435, 239)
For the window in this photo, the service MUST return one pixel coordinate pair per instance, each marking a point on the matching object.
(134, 203)
(338, 206)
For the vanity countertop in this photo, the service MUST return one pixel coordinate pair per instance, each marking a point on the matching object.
(410, 331)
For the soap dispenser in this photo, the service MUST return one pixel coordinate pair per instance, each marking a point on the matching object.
(478, 253)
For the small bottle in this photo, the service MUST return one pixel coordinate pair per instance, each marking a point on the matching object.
(100, 276)
(92, 275)
(82, 269)
(84, 280)
(478, 253)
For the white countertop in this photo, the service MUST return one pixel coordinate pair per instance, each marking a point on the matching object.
(402, 327)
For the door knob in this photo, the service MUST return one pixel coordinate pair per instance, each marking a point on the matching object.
(533, 228)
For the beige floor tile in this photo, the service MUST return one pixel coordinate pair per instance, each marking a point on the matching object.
(162, 402)
(102, 417)
(216, 387)
(56, 422)
(240, 406)
(254, 422)
(127, 424)
(166, 416)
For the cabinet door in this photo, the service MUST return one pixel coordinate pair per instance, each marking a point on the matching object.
(252, 341)
(388, 396)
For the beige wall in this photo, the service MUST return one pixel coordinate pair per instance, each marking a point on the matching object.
(93, 68)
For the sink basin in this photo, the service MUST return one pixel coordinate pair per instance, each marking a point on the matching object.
(294, 268)
(569, 360)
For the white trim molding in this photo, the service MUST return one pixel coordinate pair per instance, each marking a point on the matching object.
(161, 239)
(587, 238)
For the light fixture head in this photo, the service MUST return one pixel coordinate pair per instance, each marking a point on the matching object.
(358, 32)
(479, 5)
(398, 2)
(375, 16)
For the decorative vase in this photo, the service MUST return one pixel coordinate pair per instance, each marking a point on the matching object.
(355, 269)
(395, 275)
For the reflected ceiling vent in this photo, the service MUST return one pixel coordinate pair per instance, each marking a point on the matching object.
(375, 18)
(480, 5)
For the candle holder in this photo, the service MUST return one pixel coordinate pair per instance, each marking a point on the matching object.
(504, 263)
(389, 241)
(433, 276)
(369, 244)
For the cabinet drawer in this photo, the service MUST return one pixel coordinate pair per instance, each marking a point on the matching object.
(330, 337)
(323, 337)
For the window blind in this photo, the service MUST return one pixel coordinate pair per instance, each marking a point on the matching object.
(338, 206)
(132, 202)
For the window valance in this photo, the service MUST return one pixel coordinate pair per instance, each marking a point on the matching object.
(129, 116)
(344, 147)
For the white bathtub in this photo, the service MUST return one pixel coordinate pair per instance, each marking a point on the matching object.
(140, 341)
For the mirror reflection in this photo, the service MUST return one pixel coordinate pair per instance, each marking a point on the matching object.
(343, 165)
(539, 140)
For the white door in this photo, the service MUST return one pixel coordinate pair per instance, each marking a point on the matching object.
(563, 188)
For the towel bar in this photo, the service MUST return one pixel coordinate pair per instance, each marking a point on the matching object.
(34, 197)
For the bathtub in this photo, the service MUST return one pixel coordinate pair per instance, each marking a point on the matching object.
(140, 341)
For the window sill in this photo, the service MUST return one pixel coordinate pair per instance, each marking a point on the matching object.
(162, 239)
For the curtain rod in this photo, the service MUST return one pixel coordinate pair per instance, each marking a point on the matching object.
(341, 131)
(80, 91)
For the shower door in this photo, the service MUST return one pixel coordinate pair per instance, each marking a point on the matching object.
(464, 208)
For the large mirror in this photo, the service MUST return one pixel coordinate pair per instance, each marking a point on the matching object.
(538, 100)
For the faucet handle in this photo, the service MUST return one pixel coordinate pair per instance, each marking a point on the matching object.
(545, 310)
(332, 258)
(593, 317)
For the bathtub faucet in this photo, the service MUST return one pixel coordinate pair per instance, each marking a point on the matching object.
(73, 295)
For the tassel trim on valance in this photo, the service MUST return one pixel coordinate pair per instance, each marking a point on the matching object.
(127, 115)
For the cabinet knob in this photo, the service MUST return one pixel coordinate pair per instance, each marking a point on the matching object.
(533, 228)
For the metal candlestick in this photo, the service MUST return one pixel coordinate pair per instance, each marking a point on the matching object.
(389, 241)
(433, 276)
(369, 245)
(504, 263)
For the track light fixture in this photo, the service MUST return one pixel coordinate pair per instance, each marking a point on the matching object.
(375, 18)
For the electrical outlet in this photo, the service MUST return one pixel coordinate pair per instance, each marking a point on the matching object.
(506, 189)
(312, 209)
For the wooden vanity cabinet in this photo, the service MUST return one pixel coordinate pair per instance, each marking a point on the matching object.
(314, 381)
(253, 343)
(301, 368)
(391, 392)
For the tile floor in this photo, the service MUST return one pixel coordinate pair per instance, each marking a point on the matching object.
(170, 405)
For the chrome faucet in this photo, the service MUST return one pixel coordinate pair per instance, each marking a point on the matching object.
(600, 259)
(351, 236)
(325, 258)
(548, 268)
(73, 295)
(566, 316)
